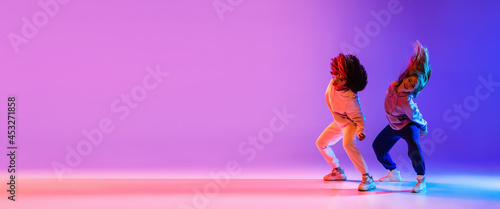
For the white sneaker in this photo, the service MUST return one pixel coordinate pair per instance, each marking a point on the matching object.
(420, 186)
(337, 174)
(393, 176)
(367, 183)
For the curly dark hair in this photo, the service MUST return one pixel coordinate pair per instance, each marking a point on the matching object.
(356, 77)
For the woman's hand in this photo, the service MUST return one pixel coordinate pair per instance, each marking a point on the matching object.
(361, 136)
(422, 134)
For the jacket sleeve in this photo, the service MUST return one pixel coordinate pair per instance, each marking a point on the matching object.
(355, 113)
(411, 110)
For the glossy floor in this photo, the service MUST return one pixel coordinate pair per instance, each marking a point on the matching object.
(443, 192)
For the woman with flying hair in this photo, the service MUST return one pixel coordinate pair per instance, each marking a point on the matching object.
(405, 120)
(348, 78)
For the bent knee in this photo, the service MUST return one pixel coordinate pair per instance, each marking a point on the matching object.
(412, 142)
(321, 145)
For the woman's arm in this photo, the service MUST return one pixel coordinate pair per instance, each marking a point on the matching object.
(355, 113)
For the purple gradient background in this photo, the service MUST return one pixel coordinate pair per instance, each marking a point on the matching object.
(227, 76)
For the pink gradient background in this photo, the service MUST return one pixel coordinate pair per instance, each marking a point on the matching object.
(227, 76)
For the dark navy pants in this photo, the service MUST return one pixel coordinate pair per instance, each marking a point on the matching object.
(388, 137)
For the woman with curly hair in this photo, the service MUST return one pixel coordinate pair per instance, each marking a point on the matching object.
(348, 78)
(405, 120)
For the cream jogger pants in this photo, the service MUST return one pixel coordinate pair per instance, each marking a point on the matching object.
(331, 135)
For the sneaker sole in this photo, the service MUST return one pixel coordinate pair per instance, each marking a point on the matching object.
(423, 190)
(335, 180)
(389, 180)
